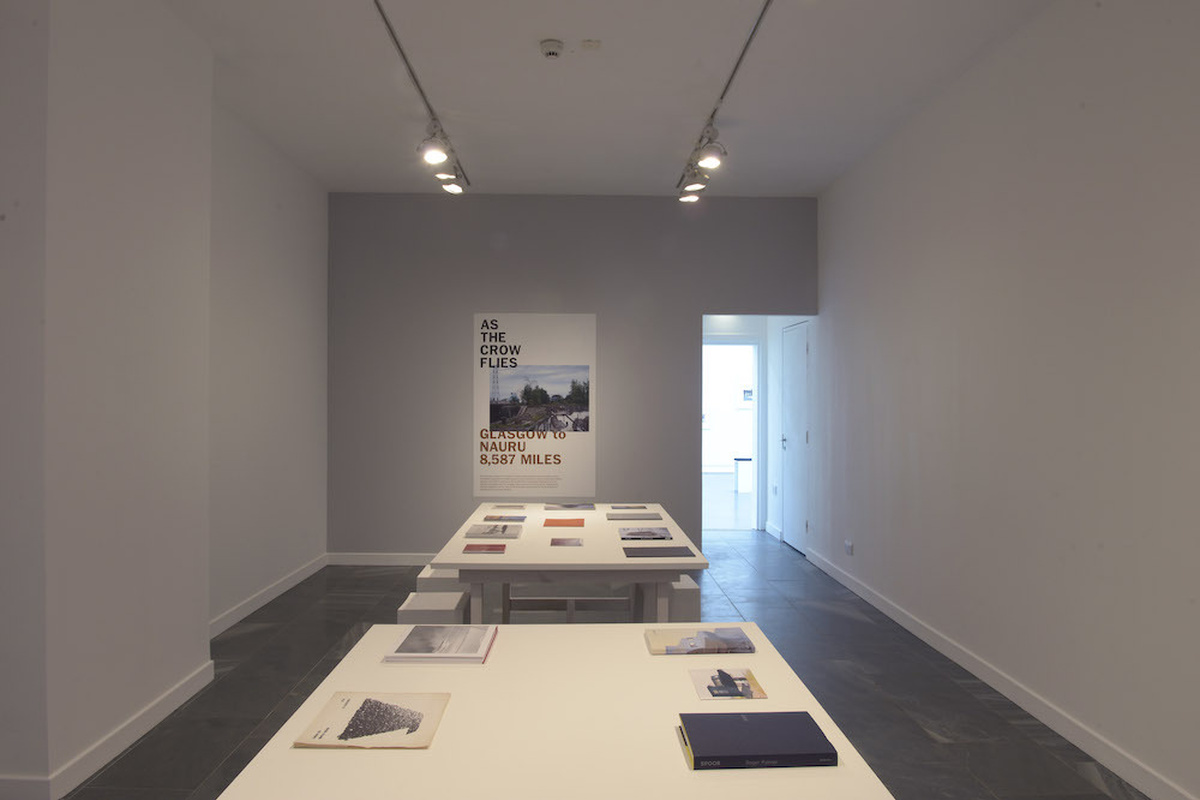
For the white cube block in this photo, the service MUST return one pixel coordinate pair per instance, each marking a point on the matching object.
(433, 608)
(685, 600)
(439, 580)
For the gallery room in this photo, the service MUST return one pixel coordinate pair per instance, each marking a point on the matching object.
(250, 344)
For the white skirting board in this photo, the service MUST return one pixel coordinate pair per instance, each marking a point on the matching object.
(381, 559)
(264, 596)
(81, 767)
(1098, 747)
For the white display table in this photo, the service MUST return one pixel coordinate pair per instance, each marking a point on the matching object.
(531, 558)
(578, 711)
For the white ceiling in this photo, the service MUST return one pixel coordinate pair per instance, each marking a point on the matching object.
(822, 83)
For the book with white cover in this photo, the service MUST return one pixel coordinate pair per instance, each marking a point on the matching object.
(495, 531)
(635, 534)
(455, 644)
(691, 641)
(375, 720)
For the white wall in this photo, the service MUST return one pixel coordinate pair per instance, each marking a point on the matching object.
(268, 372)
(24, 64)
(126, 329)
(1006, 385)
(407, 274)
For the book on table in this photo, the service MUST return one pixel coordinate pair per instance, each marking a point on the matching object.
(659, 552)
(376, 720)
(636, 534)
(755, 739)
(693, 641)
(444, 644)
(490, 547)
(727, 683)
(633, 515)
(497, 531)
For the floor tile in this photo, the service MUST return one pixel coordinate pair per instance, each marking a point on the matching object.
(1021, 769)
(108, 793)
(178, 754)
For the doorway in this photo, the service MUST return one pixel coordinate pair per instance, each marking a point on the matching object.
(729, 423)
(746, 367)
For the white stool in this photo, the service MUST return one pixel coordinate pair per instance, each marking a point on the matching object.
(685, 600)
(440, 580)
(433, 608)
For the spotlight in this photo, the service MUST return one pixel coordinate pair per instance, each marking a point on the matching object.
(710, 156)
(694, 180)
(452, 187)
(434, 150)
(688, 197)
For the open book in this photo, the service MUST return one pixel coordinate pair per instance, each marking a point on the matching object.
(376, 719)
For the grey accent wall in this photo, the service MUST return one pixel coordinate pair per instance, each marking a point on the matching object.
(407, 274)
(268, 372)
(1006, 380)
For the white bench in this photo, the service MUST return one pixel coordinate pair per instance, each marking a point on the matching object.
(433, 608)
(440, 580)
(683, 596)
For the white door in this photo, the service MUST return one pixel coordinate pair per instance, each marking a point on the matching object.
(794, 477)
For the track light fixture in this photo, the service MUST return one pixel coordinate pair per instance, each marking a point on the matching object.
(708, 154)
(436, 151)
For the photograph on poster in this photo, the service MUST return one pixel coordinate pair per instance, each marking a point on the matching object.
(555, 399)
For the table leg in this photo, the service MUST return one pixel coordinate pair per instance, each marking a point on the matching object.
(476, 603)
(505, 602)
(649, 601)
(663, 606)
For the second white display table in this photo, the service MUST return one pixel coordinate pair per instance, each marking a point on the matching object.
(599, 556)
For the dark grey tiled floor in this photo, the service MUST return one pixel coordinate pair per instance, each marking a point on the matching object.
(928, 728)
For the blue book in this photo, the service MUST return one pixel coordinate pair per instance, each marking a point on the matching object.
(753, 740)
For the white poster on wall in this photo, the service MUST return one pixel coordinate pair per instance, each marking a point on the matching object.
(535, 408)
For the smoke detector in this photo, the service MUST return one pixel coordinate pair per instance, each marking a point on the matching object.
(551, 48)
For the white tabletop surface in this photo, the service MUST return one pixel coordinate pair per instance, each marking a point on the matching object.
(557, 711)
(601, 548)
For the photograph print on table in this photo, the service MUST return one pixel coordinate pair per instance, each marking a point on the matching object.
(727, 684)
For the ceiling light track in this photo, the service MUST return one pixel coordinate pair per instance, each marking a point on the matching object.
(436, 151)
(708, 153)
